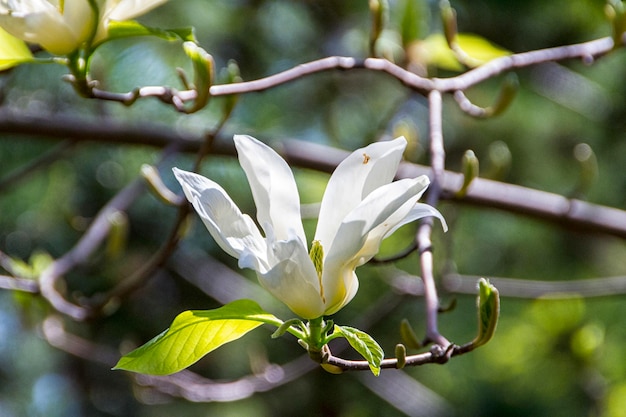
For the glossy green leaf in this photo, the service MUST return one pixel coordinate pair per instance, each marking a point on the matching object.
(365, 345)
(13, 51)
(192, 335)
(130, 28)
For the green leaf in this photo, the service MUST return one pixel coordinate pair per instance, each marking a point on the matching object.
(488, 312)
(13, 51)
(130, 28)
(365, 345)
(192, 335)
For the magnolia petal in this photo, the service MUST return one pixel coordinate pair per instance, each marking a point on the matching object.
(354, 178)
(344, 294)
(293, 280)
(233, 231)
(129, 9)
(360, 234)
(273, 188)
(419, 211)
(41, 22)
(78, 17)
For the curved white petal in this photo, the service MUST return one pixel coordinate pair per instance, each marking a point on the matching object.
(360, 234)
(233, 231)
(273, 188)
(344, 293)
(129, 9)
(419, 211)
(293, 280)
(42, 22)
(354, 179)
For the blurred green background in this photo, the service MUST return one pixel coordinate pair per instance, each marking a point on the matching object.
(559, 357)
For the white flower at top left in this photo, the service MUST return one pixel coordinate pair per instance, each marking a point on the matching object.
(63, 26)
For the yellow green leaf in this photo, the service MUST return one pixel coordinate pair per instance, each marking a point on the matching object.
(13, 51)
(192, 335)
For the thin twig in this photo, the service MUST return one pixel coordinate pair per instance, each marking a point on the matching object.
(569, 213)
(586, 51)
(24, 171)
(423, 238)
(81, 252)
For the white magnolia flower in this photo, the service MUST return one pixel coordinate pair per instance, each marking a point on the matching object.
(62, 26)
(360, 207)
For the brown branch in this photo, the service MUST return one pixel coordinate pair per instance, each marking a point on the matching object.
(24, 171)
(19, 284)
(80, 253)
(586, 51)
(570, 213)
(424, 232)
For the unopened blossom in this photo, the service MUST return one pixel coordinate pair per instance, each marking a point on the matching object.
(360, 207)
(63, 26)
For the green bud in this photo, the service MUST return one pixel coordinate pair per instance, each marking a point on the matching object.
(408, 336)
(400, 355)
(285, 326)
(616, 13)
(509, 89)
(500, 159)
(317, 256)
(379, 10)
(204, 70)
(588, 168)
(470, 168)
(232, 75)
(118, 234)
(488, 312)
(448, 17)
(152, 177)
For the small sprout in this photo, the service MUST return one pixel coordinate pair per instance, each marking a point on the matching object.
(151, 175)
(499, 159)
(588, 169)
(400, 355)
(508, 91)
(204, 71)
(408, 336)
(331, 369)
(118, 234)
(616, 14)
(379, 10)
(285, 326)
(230, 75)
(448, 17)
(488, 312)
(470, 168)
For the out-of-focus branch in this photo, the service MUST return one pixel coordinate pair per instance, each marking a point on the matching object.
(18, 284)
(81, 252)
(424, 232)
(42, 161)
(184, 384)
(570, 213)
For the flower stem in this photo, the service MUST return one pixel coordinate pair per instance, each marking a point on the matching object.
(316, 339)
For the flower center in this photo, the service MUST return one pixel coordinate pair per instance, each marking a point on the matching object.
(317, 257)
